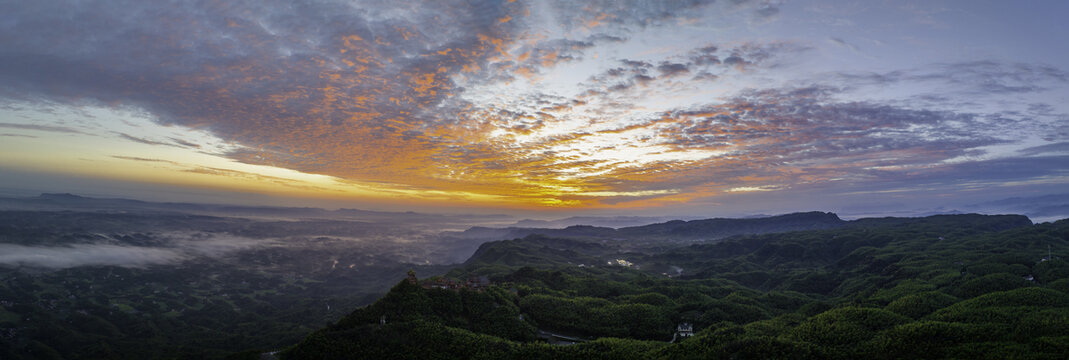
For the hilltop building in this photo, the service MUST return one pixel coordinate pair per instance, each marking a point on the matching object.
(685, 330)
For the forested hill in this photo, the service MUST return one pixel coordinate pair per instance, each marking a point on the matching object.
(721, 228)
(676, 232)
(688, 259)
(958, 286)
(672, 231)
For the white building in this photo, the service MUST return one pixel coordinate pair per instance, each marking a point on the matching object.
(685, 330)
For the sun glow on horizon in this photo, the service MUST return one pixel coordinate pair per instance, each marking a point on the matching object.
(529, 104)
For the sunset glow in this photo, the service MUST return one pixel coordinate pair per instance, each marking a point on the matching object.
(542, 104)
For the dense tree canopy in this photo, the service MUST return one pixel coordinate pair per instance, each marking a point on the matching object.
(936, 287)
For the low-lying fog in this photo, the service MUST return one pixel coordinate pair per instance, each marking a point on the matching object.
(174, 248)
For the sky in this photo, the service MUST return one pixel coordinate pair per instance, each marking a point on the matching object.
(548, 107)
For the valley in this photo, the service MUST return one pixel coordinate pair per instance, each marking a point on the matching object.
(122, 280)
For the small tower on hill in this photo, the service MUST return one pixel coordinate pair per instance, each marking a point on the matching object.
(412, 276)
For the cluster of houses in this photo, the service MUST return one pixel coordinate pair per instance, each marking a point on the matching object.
(473, 283)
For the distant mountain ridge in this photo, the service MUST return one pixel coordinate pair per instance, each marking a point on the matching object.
(722, 227)
(68, 201)
(578, 245)
(675, 230)
(599, 221)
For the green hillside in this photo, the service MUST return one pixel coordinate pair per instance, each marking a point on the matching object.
(937, 287)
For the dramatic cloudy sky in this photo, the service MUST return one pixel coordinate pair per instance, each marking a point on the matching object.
(644, 106)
